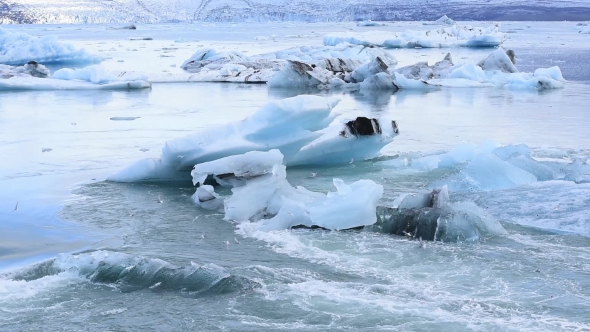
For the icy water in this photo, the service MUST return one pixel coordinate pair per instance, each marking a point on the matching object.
(81, 253)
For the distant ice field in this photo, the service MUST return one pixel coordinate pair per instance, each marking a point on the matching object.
(82, 253)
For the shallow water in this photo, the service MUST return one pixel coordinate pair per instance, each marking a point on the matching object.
(84, 254)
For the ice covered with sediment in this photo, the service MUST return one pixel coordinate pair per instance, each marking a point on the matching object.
(336, 74)
(453, 36)
(31, 69)
(18, 48)
(93, 77)
(433, 217)
(270, 203)
(490, 166)
(210, 65)
(496, 70)
(305, 129)
(237, 169)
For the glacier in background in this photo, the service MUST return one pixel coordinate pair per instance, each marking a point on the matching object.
(159, 11)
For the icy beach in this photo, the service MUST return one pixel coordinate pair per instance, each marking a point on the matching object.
(295, 176)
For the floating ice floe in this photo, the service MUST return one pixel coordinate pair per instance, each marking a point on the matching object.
(370, 23)
(496, 70)
(262, 195)
(432, 217)
(303, 128)
(33, 76)
(17, 48)
(493, 167)
(31, 69)
(585, 31)
(453, 36)
(209, 65)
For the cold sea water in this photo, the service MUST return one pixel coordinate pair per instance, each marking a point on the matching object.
(82, 253)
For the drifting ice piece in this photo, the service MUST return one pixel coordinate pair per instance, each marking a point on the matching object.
(302, 128)
(94, 74)
(273, 204)
(431, 217)
(454, 36)
(496, 70)
(492, 167)
(500, 60)
(88, 78)
(235, 170)
(17, 48)
(31, 69)
(321, 63)
(206, 198)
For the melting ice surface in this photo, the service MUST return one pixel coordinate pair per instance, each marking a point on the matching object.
(19, 48)
(302, 127)
(80, 253)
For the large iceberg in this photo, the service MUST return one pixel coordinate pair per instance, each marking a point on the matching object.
(262, 195)
(209, 65)
(17, 48)
(496, 70)
(33, 76)
(453, 36)
(305, 130)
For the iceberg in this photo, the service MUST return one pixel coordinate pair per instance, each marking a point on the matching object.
(370, 23)
(454, 36)
(95, 74)
(33, 76)
(235, 170)
(304, 129)
(432, 217)
(17, 48)
(262, 195)
(31, 69)
(325, 62)
(498, 69)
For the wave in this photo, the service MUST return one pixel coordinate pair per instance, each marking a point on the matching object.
(131, 273)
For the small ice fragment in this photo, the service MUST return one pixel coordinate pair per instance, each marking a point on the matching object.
(125, 118)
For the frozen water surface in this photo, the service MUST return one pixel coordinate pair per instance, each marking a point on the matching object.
(82, 253)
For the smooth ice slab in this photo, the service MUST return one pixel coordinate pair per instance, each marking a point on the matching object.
(33, 76)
